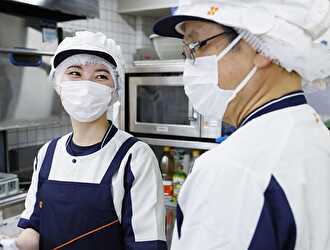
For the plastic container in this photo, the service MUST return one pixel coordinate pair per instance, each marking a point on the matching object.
(167, 48)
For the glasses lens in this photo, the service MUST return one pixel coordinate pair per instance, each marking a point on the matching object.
(188, 54)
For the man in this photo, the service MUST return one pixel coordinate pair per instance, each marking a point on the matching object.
(267, 185)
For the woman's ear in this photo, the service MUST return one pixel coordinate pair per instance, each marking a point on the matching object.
(261, 61)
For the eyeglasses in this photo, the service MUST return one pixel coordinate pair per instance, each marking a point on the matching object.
(190, 49)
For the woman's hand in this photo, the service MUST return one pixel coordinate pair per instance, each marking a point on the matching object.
(28, 240)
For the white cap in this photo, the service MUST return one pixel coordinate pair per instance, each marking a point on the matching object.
(95, 44)
(285, 31)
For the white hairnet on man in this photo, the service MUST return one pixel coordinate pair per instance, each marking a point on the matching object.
(247, 63)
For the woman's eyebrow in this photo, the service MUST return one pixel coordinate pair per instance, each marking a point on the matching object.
(75, 66)
(104, 70)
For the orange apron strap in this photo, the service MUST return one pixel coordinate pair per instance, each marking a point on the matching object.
(85, 235)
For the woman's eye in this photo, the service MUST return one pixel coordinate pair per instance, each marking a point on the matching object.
(102, 77)
(75, 73)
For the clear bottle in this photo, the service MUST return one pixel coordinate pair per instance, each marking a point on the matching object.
(186, 162)
(167, 164)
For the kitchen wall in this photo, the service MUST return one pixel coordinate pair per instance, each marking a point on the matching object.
(130, 32)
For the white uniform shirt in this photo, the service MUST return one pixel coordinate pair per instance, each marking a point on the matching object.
(266, 187)
(146, 194)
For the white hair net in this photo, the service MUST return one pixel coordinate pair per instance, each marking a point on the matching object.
(89, 48)
(285, 31)
(293, 33)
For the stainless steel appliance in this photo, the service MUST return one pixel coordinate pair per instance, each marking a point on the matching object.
(25, 52)
(59, 10)
(28, 38)
(159, 106)
(156, 103)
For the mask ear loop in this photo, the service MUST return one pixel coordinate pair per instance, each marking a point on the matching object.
(249, 75)
(229, 47)
(244, 82)
(223, 53)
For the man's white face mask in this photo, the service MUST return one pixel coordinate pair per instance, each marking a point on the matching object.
(201, 84)
(85, 101)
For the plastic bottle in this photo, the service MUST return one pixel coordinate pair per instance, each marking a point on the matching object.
(167, 165)
(178, 179)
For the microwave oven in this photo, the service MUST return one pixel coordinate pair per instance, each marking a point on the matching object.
(156, 104)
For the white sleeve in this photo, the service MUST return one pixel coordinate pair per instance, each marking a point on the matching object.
(27, 220)
(143, 213)
(219, 208)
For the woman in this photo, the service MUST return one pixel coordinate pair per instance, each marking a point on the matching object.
(98, 187)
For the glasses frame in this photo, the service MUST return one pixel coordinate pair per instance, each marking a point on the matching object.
(192, 47)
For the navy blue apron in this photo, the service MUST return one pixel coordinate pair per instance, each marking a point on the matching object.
(79, 215)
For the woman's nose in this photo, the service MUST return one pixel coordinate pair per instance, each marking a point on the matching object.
(87, 77)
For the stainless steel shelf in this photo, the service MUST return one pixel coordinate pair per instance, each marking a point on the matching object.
(26, 52)
(179, 143)
(156, 8)
(159, 66)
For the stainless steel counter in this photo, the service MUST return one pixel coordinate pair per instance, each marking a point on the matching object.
(9, 227)
(10, 211)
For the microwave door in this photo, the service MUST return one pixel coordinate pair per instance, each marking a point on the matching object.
(158, 105)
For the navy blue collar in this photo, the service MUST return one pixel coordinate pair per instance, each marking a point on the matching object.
(289, 100)
(76, 150)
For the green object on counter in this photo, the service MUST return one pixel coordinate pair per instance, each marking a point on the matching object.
(178, 179)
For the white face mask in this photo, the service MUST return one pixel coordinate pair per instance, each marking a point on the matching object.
(85, 101)
(201, 84)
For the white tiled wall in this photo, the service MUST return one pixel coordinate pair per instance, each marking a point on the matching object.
(130, 32)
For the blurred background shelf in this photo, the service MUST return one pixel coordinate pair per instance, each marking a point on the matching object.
(20, 124)
(156, 8)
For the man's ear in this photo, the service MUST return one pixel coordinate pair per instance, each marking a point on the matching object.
(261, 61)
